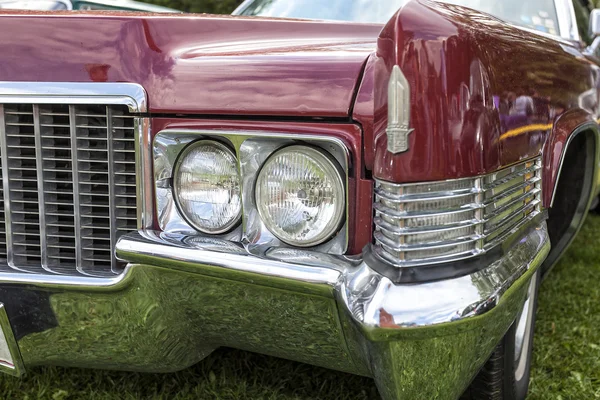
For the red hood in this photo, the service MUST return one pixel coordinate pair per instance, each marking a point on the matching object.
(195, 64)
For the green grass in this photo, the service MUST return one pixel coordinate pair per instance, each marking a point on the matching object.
(566, 356)
(566, 359)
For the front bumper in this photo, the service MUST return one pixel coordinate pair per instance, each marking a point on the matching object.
(182, 297)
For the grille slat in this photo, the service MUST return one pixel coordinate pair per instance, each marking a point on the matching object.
(75, 176)
(40, 181)
(68, 182)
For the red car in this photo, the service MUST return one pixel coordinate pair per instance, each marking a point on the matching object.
(381, 194)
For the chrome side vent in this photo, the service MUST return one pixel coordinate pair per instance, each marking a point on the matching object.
(436, 222)
(69, 186)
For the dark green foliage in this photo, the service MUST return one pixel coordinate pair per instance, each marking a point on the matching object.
(582, 14)
(199, 6)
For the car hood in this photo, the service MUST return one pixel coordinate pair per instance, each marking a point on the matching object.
(195, 64)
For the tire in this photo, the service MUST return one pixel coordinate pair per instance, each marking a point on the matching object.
(505, 376)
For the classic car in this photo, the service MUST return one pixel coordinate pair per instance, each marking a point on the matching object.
(380, 195)
(85, 5)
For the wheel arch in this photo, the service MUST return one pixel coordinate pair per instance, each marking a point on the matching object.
(570, 180)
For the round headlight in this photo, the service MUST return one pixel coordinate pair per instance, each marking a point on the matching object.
(207, 187)
(300, 196)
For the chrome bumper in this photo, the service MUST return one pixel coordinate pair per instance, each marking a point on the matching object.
(182, 297)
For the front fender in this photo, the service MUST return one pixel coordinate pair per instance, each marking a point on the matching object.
(464, 69)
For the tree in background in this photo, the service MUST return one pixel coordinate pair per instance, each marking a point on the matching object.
(199, 6)
(582, 13)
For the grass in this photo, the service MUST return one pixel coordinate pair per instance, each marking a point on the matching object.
(566, 361)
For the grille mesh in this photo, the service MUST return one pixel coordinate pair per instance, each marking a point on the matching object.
(425, 223)
(69, 178)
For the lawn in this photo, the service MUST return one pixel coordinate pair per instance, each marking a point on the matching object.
(566, 356)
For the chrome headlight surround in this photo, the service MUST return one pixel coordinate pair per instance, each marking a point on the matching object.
(252, 148)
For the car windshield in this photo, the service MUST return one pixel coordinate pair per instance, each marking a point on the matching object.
(536, 14)
(46, 5)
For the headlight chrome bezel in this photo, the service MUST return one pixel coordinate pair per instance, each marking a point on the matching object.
(252, 149)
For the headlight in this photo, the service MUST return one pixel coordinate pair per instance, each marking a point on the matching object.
(207, 187)
(300, 196)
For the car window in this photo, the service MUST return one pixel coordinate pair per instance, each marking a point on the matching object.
(46, 5)
(537, 14)
(88, 7)
(377, 11)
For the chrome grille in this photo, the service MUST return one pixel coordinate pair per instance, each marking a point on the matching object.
(69, 186)
(435, 222)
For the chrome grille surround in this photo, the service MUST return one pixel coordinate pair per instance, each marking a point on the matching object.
(71, 169)
(437, 222)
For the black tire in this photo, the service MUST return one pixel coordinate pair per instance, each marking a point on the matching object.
(504, 376)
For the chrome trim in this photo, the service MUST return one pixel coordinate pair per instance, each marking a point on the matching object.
(510, 235)
(39, 162)
(130, 94)
(144, 177)
(386, 325)
(425, 304)
(594, 26)
(398, 127)
(112, 199)
(252, 149)
(253, 153)
(484, 211)
(222, 258)
(567, 22)
(179, 251)
(9, 347)
(184, 296)
(47, 279)
(75, 176)
(6, 189)
(524, 328)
